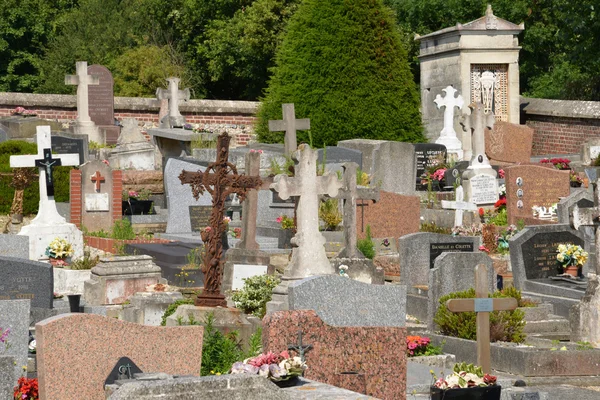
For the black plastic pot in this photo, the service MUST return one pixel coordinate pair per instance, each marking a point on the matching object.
(137, 207)
(473, 393)
(74, 300)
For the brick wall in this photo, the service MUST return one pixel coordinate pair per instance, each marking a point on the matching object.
(76, 198)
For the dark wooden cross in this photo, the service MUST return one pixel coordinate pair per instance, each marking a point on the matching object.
(48, 163)
(97, 178)
(299, 348)
(483, 306)
(290, 125)
(220, 179)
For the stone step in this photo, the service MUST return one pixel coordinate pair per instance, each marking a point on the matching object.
(555, 325)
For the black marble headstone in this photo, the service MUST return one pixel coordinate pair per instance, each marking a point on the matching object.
(426, 155)
(25, 279)
(124, 369)
(539, 253)
(435, 249)
(72, 144)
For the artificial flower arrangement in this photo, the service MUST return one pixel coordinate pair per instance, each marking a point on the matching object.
(26, 389)
(24, 112)
(421, 346)
(59, 248)
(4, 338)
(465, 376)
(276, 367)
(544, 212)
(558, 163)
(571, 255)
(286, 222)
(575, 179)
(502, 238)
(343, 268)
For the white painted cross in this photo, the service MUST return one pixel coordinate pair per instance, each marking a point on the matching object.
(82, 80)
(448, 134)
(290, 125)
(45, 160)
(173, 94)
(459, 205)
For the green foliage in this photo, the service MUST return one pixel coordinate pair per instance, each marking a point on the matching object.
(342, 64)
(219, 351)
(506, 326)
(581, 345)
(172, 308)
(286, 168)
(199, 142)
(432, 227)
(468, 368)
(122, 230)
(256, 293)
(329, 213)
(366, 245)
(499, 219)
(85, 262)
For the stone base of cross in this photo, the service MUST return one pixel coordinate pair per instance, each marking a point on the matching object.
(590, 216)
(482, 305)
(459, 205)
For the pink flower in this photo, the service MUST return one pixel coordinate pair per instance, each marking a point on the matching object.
(279, 219)
(439, 174)
(105, 162)
(207, 229)
(483, 248)
(501, 173)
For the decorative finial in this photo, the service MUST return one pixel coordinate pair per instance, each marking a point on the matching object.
(491, 22)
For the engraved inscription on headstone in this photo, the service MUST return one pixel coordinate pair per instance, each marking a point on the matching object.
(25, 279)
(68, 145)
(484, 189)
(435, 249)
(200, 217)
(96, 202)
(427, 155)
(539, 253)
(101, 100)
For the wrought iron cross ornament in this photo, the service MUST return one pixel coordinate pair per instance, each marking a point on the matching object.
(220, 179)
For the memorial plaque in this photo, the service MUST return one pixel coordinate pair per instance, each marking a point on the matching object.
(96, 202)
(243, 271)
(200, 217)
(279, 200)
(484, 189)
(25, 279)
(539, 186)
(428, 155)
(101, 97)
(435, 249)
(70, 144)
(539, 253)
(339, 155)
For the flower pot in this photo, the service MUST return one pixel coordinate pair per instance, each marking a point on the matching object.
(293, 381)
(473, 393)
(58, 262)
(284, 239)
(137, 207)
(575, 184)
(74, 300)
(572, 270)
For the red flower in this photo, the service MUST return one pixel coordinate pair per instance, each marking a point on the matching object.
(500, 203)
(481, 212)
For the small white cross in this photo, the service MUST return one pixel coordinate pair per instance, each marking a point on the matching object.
(459, 205)
(449, 101)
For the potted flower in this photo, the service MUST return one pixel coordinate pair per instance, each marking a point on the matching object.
(570, 259)
(286, 233)
(467, 382)
(281, 369)
(58, 250)
(137, 203)
(574, 179)
(26, 389)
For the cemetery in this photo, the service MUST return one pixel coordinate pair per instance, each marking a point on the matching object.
(170, 247)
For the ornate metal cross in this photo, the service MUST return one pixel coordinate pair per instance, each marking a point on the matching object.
(48, 163)
(97, 178)
(220, 179)
(299, 348)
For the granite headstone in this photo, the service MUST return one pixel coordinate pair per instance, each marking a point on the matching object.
(508, 143)
(14, 246)
(7, 371)
(14, 315)
(70, 143)
(341, 301)
(25, 279)
(580, 198)
(339, 155)
(427, 155)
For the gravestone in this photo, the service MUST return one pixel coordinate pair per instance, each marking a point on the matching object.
(70, 143)
(14, 316)
(25, 279)
(394, 215)
(174, 119)
(453, 272)
(508, 143)
(459, 205)
(533, 251)
(590, 150)
(289, 124)
(101, 103)
(8, 377)
(580, 198)
(97, 196)
(448, 134)
(533, 185)
(427, 155)
(17, 127)
(95, 343)
(339, 155)
(14, 246)
(83, 124)
(419, 250)
(200, 217)
(179, 197)
(133, 151)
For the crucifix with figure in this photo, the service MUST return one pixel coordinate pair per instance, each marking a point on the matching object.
(290, 125)
(220, 179)
(483, 306)
(45, 161)
(350, 193)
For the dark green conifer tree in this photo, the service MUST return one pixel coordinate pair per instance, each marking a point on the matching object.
(342, 64)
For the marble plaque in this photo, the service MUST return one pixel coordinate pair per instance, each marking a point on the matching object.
(484, 189)
(96, 202)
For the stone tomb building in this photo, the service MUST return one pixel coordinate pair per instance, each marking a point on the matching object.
(480, 59)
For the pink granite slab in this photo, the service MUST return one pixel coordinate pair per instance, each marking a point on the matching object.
(509, 143)
(76, 352)
(376, 354)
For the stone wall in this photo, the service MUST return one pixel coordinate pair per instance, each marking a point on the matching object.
(560, 126)
(237, 117)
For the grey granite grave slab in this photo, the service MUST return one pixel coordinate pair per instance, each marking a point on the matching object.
(7, 376)
(267, 210)
(341, 301)
(455, 272)
(14, 246)
(414, 251)
(179, 197)
(580, 197)
(14, 315)
(339, 155)
(25, 279)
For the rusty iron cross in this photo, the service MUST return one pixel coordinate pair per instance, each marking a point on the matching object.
(220, 179)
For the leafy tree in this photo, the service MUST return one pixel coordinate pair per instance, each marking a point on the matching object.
(343, 65)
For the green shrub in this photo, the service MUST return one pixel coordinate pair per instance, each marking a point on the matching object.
(433, 228)
(329, 213)
(499, 219)
(342, 63)
(85, 262)
(122, 230)
(256, 293)
(366, 245)
(172, 308)
(506, 326)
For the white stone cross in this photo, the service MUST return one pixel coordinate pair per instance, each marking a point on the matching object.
(459, 205)
(47, 212)
(173, 94)
(82, 80)
(475, 125)
(448, 134)
(290, 125)
(308, 255)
